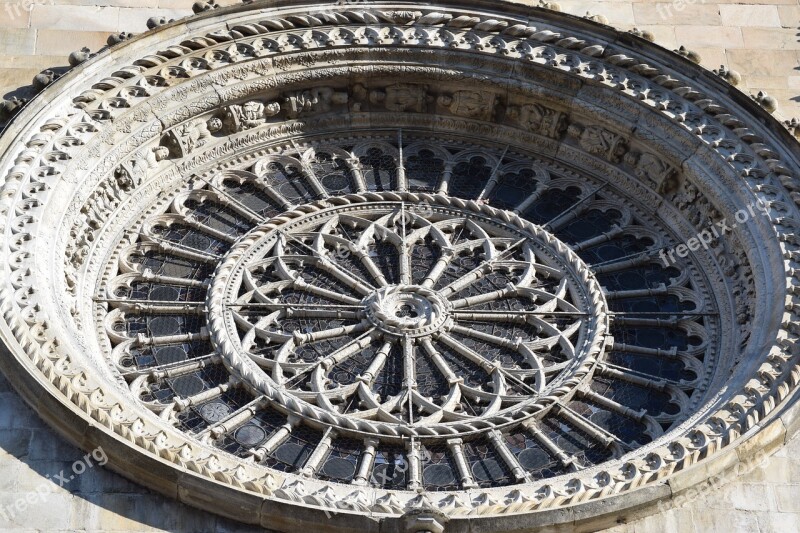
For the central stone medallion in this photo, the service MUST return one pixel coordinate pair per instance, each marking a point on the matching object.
(403, 314)
(407, 310)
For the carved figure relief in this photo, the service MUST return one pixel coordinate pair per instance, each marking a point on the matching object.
(319, 100)
(184, 139)
(600, 141)
(470, 104)
(136, 169)
(401, 97)
(249, 115)
(540, 119)
(659, 175)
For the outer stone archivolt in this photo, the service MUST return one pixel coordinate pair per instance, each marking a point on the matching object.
(146, 183)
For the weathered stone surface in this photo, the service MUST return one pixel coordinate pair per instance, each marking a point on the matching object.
(762, 16)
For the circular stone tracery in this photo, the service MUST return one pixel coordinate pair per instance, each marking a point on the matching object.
(126, 186)
(346, 275)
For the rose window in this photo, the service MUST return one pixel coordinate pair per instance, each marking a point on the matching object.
(407, 268)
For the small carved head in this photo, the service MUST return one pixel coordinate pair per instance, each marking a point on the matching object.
(124, 180)
(670, 184)
(360, 92)
(43, 79)
(155, 22)
(214, 124)
(445, 100)
(575, 130)
(161, 153)
(272, 109)
(632, 158)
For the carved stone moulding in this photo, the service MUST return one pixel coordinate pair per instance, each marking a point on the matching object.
(402, 268)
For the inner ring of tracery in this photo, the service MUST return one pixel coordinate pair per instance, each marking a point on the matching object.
(475, 316)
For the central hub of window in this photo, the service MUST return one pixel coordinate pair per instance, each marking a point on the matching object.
(410, 310)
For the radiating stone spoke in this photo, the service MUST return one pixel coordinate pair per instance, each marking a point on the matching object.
(514, 317)
(231, 201)
(180, 250)
(327, 265)
(232, 420)
(635, 258)
(377, 364)
(373, 269)
(326, 334)
(484, 363)
(479, 271)
(614, 232)
(496, 438)
(203, 228)
(176, 368)
(332, 359)
(152, 307)
(183, 403)
(439, 268)
(566, 460)
(573, 208)
(512, 344)
(493, 179)
(593, 430)
(409, 375)
(273, 193)
(471, 301)
(405, 258)
(638, 378)
(325, 293)
(440, 363)
(312, 179)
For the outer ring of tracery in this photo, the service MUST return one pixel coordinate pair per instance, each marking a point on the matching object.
(772, 383)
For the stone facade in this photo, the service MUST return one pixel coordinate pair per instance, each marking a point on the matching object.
(759, 500)
(756, 38)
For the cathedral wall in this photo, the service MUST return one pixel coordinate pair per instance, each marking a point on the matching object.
(49, 485)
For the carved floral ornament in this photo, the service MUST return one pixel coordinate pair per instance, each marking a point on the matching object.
(399, 267)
